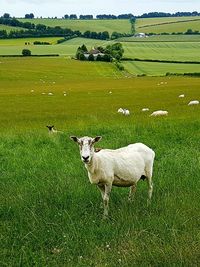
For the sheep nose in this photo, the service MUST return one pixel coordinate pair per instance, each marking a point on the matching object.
(85, 158)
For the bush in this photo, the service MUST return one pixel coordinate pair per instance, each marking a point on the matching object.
(81, 56)
(26, 52)
(119, 66)
(91, 57)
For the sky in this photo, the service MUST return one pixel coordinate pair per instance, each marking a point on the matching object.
(52, 8)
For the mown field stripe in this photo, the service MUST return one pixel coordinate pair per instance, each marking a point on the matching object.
(170, 22)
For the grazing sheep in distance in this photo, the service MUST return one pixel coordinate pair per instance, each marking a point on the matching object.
(120, 110)
(181, 96)
(124, 111)
(50, 93)
(193, 102)
(122, 167)
(52, 129)
(159, 113)
(145, 109)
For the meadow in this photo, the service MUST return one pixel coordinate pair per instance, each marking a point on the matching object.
(179, 51)
(10, 28)
(68, 48)
(168, 24)
(163, 38)
(159, 69)
(122, 25)
(50, 214)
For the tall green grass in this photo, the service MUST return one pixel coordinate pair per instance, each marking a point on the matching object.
(50, 214)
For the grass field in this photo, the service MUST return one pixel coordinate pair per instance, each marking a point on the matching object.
(181, 51)
(159, 69)
(123, 26)
(50, 214)
(148, 25)
(162, 38)
(10, 28)
(15, 47)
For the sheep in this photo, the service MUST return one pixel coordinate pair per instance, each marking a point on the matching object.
(122, 167)
(52, 129)
(159, 113)
(124, 111)
(120, 110)
(193, 102)
(50, 93)
(181, 96)
(145, 109)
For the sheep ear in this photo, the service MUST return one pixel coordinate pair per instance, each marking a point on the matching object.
(74, 138)
(96, 139)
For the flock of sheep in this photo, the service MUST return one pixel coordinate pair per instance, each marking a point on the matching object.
(126, 112)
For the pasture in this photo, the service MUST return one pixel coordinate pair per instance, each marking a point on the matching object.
(10, 28)
(169, 24)
(179, 51)
(159, 69)
(50, 214)
(122, 25)
(68, 48)
(163, 38)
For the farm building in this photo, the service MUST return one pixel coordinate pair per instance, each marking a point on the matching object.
(95, 52)
(140, 35)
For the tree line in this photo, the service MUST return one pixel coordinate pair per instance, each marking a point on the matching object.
(41, 30)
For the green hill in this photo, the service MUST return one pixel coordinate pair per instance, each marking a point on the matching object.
(122, 25)
(170, 24)
(10, 28)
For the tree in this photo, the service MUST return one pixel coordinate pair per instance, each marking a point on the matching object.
(105, 35)
(6, 16)
(26, 52)
(66, 16)
(29, 16)
(83, 48)
(73, 16)
(81, 56)
(99, 58)
(91, 57)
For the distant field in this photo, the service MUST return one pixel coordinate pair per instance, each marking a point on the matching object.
(162, 38)
(10, 28)
(22, 41)
(146, 24)
(158, 69)
(8, 47)
(181, 51)
(117, 25)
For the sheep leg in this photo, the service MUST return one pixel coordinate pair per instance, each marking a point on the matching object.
(108, 188)
(132, 192)
(150, 190)
(102, 189)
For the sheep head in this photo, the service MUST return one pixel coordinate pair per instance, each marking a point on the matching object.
(86, 146)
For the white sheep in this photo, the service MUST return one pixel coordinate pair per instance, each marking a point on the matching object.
(145, 109)
(50, 93)
(52, 129)
(126, 112)
(181, 96)
(120, 110)
(159, 113)
(193, 102)
(122, 167)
